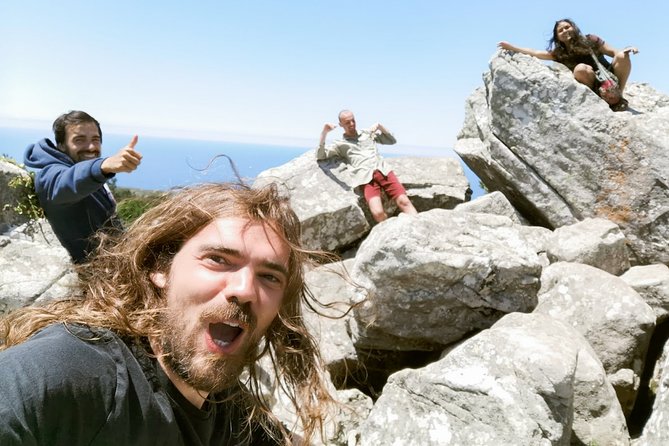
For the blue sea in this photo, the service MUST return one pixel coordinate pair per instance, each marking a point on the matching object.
(168, 162)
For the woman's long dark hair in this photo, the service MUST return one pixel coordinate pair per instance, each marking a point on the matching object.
(580, 44)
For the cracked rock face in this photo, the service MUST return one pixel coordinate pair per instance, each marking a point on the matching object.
(560, 155)
(438, 275)
(33, 267)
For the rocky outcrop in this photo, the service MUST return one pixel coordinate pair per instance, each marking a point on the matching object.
(652, 284)
(560, 155)
(474, 288)
(614, 319)
(655, 432)
(332, 287)
(511, 319)
(33, 267)
(528, 380)
(334, 216)
(593, 241)
(436, 276)
(493, 203)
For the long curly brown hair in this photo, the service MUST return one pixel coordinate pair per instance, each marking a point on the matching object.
(118, 294)
(580, 45)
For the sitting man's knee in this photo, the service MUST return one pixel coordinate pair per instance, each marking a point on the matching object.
(404, 203)
(376, 208)
(379, 215)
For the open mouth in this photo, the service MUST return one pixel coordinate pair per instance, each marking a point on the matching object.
(224, 334)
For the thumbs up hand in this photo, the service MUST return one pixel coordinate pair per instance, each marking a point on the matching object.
(125, 160)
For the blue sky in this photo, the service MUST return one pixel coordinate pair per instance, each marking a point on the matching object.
(270, 71)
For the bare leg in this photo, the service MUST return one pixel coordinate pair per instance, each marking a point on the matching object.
(376, 207)
(405, 205)
(585, 75)
(622, 67)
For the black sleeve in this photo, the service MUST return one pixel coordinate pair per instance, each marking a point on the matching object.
(55, 389)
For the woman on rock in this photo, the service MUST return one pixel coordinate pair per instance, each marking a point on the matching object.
(573, 49)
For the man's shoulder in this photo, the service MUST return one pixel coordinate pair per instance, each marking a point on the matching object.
(60, 353)
(44, 153)
(63, 379)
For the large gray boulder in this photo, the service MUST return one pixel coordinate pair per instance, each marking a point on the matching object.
(334, 216)
(560, 155)
(529, 380)
(329, 211)
(609, 313)
(492, 203)
(652, 283)
(334, 290)
(594, 241)
(340, 428)
(33, 266)
(432, 182)
(438, 275)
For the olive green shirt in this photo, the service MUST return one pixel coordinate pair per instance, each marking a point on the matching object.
(360, 153)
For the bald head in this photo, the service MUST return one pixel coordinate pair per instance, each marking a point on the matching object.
(347, 122)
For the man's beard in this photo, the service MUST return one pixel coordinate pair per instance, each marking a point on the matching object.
(205, 371)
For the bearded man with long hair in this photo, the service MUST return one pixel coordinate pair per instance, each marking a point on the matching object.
(574, 49)
(168, 317)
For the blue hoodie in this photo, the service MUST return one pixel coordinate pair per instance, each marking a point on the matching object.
(73, 196)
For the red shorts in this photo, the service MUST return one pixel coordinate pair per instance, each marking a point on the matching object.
(389, 183)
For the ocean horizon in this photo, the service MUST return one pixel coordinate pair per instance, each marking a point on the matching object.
(172, 162)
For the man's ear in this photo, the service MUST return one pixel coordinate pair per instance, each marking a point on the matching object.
(159, 279)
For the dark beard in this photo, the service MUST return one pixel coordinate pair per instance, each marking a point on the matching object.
(212, 373)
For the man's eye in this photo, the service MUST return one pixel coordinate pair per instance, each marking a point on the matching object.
(219, 260)
(272, 278)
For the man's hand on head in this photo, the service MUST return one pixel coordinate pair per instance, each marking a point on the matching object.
(125, 160)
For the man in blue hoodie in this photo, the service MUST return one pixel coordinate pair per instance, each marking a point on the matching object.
(71, 180)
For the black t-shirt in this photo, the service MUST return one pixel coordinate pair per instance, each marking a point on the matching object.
(75, 386)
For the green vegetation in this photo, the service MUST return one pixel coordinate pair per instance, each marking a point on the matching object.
(131, 203)
(28, 204)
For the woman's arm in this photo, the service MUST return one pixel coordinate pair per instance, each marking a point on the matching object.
(539, 54)
(607, 49)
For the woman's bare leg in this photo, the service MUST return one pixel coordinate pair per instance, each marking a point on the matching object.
(622, 66)
(585, 75)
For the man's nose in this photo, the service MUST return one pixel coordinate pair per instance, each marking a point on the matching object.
(241, 286)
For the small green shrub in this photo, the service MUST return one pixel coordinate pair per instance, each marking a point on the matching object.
(132, 205)
(28, 204)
